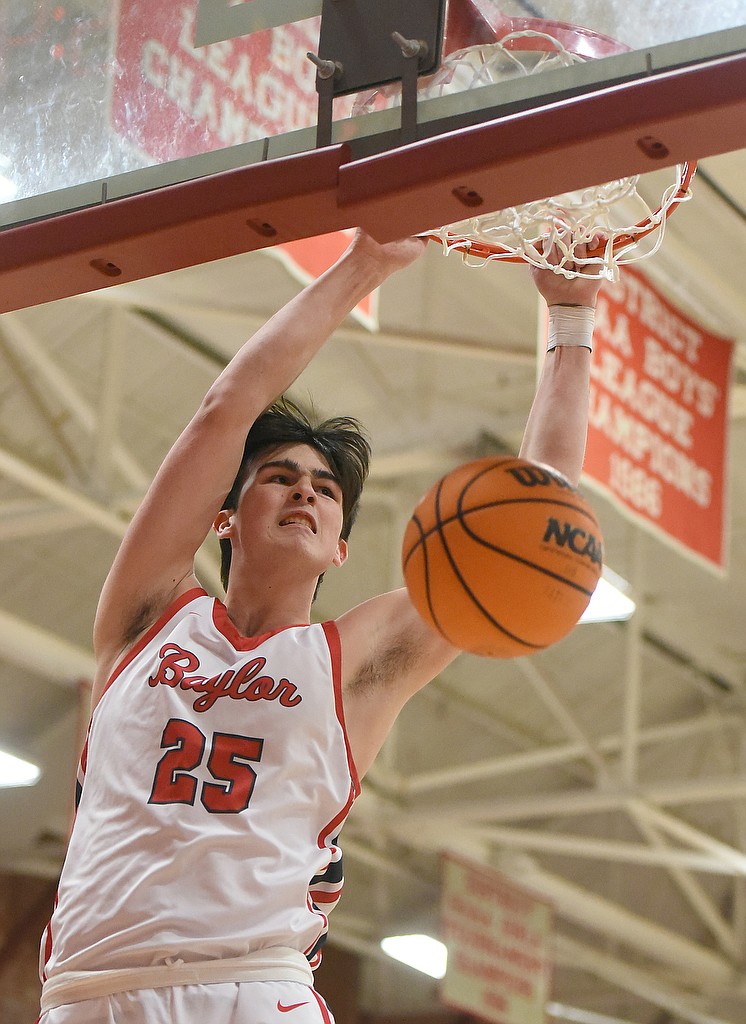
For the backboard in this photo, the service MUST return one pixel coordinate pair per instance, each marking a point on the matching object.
(137, 138)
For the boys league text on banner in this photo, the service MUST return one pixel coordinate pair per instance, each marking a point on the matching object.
(658, 431)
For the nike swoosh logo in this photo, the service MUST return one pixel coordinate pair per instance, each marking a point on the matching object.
(291, 1006)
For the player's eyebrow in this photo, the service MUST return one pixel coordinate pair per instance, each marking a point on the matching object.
(295, 467)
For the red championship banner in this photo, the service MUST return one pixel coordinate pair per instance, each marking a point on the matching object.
(658, 433)
(171, 100)
(499, 939)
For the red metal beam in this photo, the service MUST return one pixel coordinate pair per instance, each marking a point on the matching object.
(695, 112)
(170, 228)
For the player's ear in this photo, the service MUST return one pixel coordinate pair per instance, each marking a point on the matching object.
(341, 553)
(223, 523)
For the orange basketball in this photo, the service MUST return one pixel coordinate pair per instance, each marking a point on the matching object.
(501, 556)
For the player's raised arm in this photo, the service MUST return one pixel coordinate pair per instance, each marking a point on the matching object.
(557, 424)
(390, 652)
(154, 564)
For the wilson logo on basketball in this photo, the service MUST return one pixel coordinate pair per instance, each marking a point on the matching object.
(538, 476)
(580, 542)
(244, 683)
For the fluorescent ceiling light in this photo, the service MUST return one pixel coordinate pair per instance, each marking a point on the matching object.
(419, 951)
(610, 602)
(14, 771)
(577, 1016)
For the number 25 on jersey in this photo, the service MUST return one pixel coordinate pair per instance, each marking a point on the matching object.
(227, 759)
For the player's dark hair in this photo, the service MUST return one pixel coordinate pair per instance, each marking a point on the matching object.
(340, 440)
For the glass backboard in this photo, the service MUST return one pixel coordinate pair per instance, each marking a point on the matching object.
(102, 100)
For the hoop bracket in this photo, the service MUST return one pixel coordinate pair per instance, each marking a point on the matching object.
(373, 42)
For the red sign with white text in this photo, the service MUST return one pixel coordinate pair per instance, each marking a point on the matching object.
(172, 99)
(658, 427)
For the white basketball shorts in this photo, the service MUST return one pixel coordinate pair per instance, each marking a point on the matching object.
(247, 1002)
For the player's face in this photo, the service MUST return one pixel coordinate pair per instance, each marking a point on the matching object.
(293, 499)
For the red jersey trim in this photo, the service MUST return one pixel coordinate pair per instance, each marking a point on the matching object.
(173, 608)
(323, 1008)
(224, 625)
(335, 650)
(154, 630)
(335, 653)
(47, 941)
(318, 896)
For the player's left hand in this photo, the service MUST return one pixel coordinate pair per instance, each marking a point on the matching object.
(390, 256)
(560, 290)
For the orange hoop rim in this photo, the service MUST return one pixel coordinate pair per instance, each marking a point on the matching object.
(581, 41)
(538, 34)
(480, 249)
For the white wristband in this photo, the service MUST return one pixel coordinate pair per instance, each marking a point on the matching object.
(571, 325)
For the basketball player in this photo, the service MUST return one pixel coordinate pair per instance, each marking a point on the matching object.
(228, 739)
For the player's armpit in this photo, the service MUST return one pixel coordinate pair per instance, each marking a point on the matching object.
(388, 653)
(116, 634)
(386, 644)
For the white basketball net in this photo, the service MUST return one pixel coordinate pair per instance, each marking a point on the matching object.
(616, 211)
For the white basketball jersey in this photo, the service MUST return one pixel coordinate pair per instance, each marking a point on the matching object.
(219, 778)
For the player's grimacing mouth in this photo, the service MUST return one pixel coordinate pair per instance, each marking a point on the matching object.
(299, 518)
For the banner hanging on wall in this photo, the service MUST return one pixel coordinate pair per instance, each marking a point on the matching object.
(498, 937)
(171, 99)
(658, 428)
